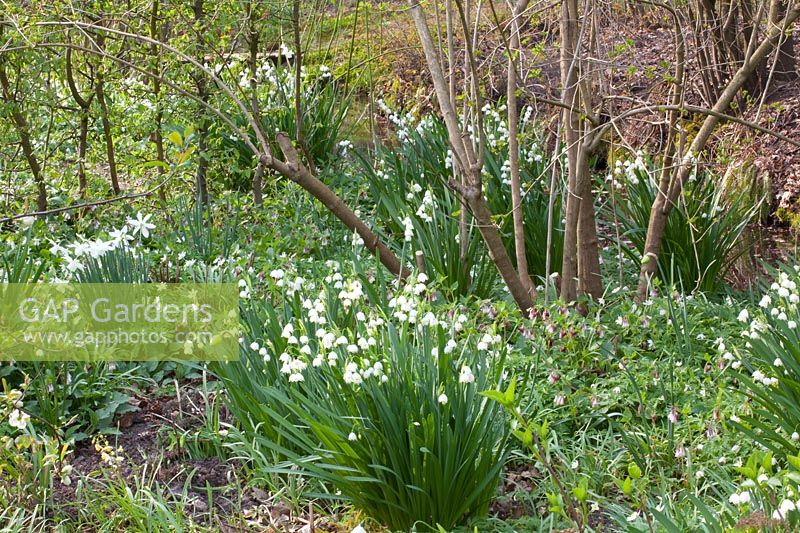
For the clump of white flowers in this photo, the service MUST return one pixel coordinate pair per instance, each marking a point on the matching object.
(345, 146)
(318, 338)
(782, 512)
(779, 310)
(11, 408)
(739, 498)
(24, 437)
(403, 122)
(466, 375)
(628, 172)
(760, 377)
(488, 340)
(278, 274)
(244, 290)
(425, 210)
(74, 255)
(408, 229)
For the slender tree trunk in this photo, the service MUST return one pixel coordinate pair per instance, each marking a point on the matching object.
(786, 66)
(463, 221)
(551, 202)
(580, 269)
(471, 162)
(257, 185)
(785, 58)
(201, 184)
(21, 125)
(84, 104)
(298, 66)
(294, 170)
(252, 42)
(672, 151)
(494, 244)
(99, 88)
(753, 13)
(201, 179)
(112, 163)
(513, 149)
(82, 136)
(589, 279)
(663, 203)
(158, 137)
(298, 87)
(572, 137)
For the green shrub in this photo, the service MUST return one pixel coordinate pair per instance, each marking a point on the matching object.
(119, 265)
(535, 169)
(18, 263)
(410, 179)
(204, 238)
(324, 110)
(702, 237)
(409, 182)
(380, 402)
(770, 379)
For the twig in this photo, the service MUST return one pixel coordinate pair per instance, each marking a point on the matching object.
(86, 205)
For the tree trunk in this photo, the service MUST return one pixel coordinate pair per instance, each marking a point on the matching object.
(21, 125)
(463, 220)
(494, 245)
(664, 203)
(201, 184)
(673, 150)
(201, 180)
(258, 180)
(513, 149)
(252, 41)
(589, 279)
(298, 86)
(786, 62)
(471, 164)
(85, 105)
(158, 137)
(99, 88)
(112, 163)
(785, 58)
(580, 271)
(571, 122)
(294, 170)
(82, 135)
